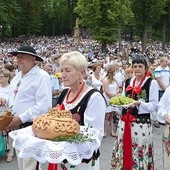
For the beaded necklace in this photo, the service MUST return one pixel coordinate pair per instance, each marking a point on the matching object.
(71, 101)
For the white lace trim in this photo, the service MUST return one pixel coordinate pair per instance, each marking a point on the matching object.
(54, 152)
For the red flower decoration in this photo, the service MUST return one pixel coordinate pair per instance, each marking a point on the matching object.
(140, 154)
(77, 117)
(62, 107)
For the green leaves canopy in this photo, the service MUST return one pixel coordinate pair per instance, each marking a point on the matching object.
(103, 17)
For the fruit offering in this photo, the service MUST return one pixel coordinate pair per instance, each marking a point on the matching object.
(120, 100)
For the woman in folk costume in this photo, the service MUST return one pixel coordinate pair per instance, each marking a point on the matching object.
(85, 103)
(133, 148)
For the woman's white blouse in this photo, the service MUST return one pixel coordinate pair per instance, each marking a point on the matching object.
(96, 83)
(164, 106)
(94, 114)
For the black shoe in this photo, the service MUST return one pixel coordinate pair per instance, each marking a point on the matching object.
(163, 124)
(156, 124)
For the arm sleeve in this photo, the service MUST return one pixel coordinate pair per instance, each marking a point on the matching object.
(152, 105)
(56, 84)
(163, 106)
(95, 112)
(157, 73)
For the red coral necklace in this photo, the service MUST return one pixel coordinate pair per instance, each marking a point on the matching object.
(71, 101)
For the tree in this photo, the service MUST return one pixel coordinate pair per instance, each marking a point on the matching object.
(102, 18)
(29, 19)
(165, 18)
(123, 16)
(72, 18)
(146, 13)
(8, 11)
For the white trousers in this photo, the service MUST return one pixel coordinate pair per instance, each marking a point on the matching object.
(166, 155)
(11, 149)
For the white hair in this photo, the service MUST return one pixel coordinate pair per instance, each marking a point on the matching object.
(76, 59)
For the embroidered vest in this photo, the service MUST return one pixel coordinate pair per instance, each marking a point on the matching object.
(78, 114)
(140, 118)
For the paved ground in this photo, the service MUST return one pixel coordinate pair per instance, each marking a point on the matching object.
(106, 149)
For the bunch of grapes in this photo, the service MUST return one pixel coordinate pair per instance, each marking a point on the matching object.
(120, 100)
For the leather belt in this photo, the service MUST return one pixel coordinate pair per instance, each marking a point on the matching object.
(23, 125)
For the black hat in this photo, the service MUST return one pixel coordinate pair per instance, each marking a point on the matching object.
(27, 50)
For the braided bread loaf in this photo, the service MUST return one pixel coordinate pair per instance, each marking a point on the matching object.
(54, 124)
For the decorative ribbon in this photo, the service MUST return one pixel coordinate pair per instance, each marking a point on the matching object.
(50, 165)
(128, 119)
(136, 89)
(127, 140)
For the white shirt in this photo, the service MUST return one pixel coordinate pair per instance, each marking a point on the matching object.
(33, 97)
(164, 106)
(119, 78)
(164, 74)
(5, 93)
(54, 84)
(96, 83)
(94, 114)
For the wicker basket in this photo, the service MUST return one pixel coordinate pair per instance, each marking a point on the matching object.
(5, 120)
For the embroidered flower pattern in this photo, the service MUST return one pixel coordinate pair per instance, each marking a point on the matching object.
(166, 144)
(142, 149)
(63, 167)
(77, 117)
(16, 89)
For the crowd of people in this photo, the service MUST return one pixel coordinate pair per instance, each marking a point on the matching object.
(46, 71)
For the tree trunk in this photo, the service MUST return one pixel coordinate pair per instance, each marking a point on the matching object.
(13, 32)
(164, 33)
(144, 38)
(104, 47)
(53, 26)
(131, 33)
(71, 16)
(119, 37)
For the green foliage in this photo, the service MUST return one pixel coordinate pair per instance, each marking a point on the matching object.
(79, 138)
(147, 12)
(103, 17)
(142, 96)
(55, 17)
(8, 11)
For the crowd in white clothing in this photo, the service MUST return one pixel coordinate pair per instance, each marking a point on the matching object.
(107, 71)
